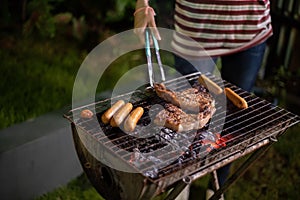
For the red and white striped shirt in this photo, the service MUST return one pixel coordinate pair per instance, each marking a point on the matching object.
(220, 27)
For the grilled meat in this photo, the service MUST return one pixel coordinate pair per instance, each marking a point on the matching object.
(191, 99)
(186, 110)
(176, 119)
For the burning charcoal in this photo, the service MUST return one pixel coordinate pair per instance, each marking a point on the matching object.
(200, 137)
(168, 134)
(180, 160)
(184, 157)
(209, 136)
(167, 137)
(194, 154)
(174, 144)
(152, 173)
(195, 146)
(154, 159)
(158, 137)
(188, 153)
(198, 150)
(166, 130)
(137, 158)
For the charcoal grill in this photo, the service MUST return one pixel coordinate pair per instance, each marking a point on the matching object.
(143, 176)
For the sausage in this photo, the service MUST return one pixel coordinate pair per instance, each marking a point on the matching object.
(133, 118)
(235, 98)
(86, 114)
(111, 111)
(209, 84)
(120, 115)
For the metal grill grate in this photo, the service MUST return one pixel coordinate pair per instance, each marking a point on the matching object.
(243, 132)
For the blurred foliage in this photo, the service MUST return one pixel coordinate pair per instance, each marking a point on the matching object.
(90, 16)
(41, 18)
(84, 20)
(81, 19)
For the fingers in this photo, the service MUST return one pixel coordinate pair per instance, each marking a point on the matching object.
(142, 38)
(140, 24)
(140, 33)
(155, 32)
(141, 21)
(153, 29)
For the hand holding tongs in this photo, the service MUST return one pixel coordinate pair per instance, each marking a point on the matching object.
(148, 55)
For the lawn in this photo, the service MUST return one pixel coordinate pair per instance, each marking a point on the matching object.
(37, 77)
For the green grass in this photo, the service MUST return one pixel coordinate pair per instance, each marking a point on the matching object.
(78, 188)
(275, 175)
(37, 77)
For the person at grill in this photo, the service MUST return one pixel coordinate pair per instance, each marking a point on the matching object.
(233, 31)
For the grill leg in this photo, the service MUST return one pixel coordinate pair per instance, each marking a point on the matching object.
(241, 170)
(178, 188)
(184, 194)
(216, 183)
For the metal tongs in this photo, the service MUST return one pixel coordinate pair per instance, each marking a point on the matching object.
(148, 55)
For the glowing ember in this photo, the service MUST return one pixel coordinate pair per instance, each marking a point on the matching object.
(212, 140)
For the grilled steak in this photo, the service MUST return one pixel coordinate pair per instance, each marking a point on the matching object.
(191, 99)
(198, 103)
(176, 119)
